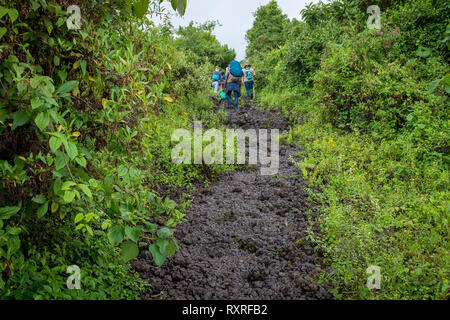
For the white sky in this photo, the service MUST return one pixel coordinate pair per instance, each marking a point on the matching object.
(236, 17)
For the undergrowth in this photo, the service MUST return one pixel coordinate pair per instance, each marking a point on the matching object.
(371, 110)
(86, 118)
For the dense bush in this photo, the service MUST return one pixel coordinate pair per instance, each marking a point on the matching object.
(357, 90)
(86, 118)
(268, 30)
(372, 112)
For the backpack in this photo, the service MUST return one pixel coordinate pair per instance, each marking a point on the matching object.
(236, 69)
(216, 77)
(249, 74)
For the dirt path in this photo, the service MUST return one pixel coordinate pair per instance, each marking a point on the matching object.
(246, 235)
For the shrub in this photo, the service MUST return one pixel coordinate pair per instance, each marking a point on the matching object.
(85, 123)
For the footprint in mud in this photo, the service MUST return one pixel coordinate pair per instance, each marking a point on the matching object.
(245, 237)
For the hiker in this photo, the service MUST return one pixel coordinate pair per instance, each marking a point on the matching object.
(223, 81)
(234, 80)
(216, 80)
(249, 75)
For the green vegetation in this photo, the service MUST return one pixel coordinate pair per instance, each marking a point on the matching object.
(268, 30)
(86, 118)
(203, 45)
(372, 111)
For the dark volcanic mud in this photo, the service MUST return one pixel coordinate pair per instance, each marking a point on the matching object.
(246, 234)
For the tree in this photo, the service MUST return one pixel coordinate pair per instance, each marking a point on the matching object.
(200, 40)
(267, 32)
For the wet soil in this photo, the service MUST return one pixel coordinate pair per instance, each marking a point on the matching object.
(246, 234)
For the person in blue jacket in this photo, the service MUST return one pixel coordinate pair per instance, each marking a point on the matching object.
(234, 80)
(216, 79)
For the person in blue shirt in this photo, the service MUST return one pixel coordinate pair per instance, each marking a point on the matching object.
(216, 79)
(234, 81)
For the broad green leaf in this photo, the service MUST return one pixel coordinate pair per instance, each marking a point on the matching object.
(14, 231)
(181, 7)
(35, 5)
(174, 4)
(50, 160)
(62, 75)
(20, 118)
(67, 87)
(129, 251)
(42, 120)
(79, 217)
(57, 186)
(55, 143)
(13, 244)
(67, 185)
(3, 11)
(164, 232)
(8, 212)
(170, 204)
(42, 210)
(69, 195)
(89, 230)
(116, 235)
(83, 66)
(85, 189)
(122, 171)
(170, 249)
(13, 14)
(423, 52)
(105, 225)
(433, 85)
(12, 59)
(49, 26)
(51, 101)
(60, 22)
(2, 32)
(158, 257)
(151, 198)
(77, 64)
(59, 162)
(54, 207)
(36, 103)
(140, 8)
(81, 161)
(162, 244)
(64, 141)
(108, 181)
(72, 150)
(132, 233)
(39, 199)
(151, 227)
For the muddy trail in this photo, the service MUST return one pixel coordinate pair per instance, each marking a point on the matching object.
(246, 234)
